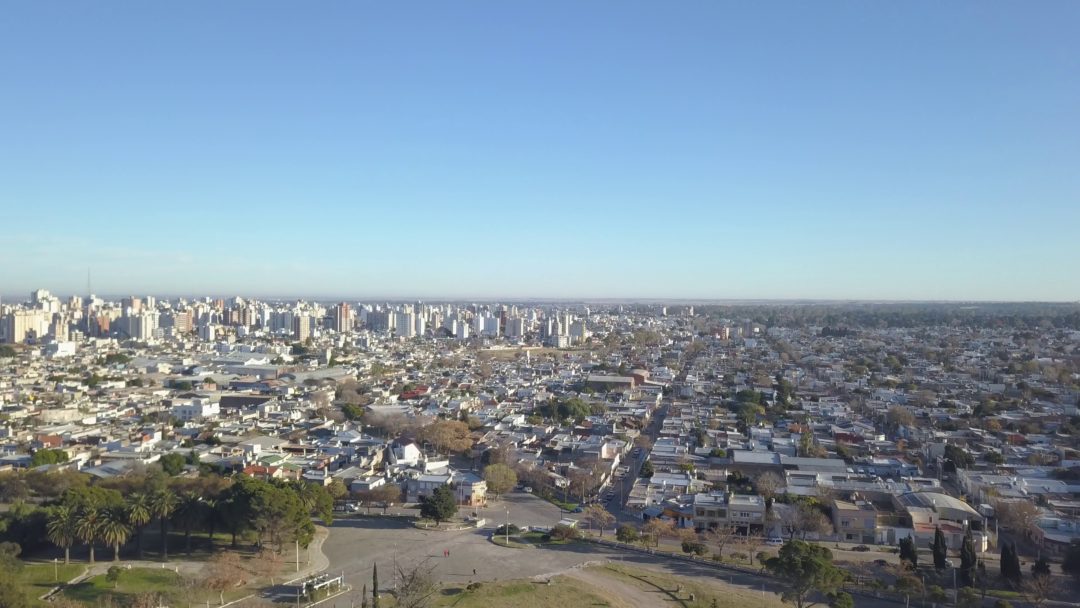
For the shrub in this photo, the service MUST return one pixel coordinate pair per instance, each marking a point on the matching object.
(695, 547)
(473, 586)
(739, 555)
(501, 530)
(1002, 604)
(563, 532)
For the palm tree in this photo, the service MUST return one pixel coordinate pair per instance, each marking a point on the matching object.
(115, 528)
(162, 505)
(189, 511)
(211, 516)
(88, 527)
(61, 529)
(139, 515)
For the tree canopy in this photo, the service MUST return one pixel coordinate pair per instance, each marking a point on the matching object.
(805, 569)
(440, 506)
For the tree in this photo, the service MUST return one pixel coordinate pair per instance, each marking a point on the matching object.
(721, 536)
(804, 569)
(12, 596)
(113, 575)
(440, 506)
(646, 469)
(162, 505)
(415, 587)
(115, 529)
(46, 456)
(939, 549)
(627, 534)
(1041, 567)
(899, 416)
(1070, 564)
(1017, 515)
(802, 519)
(61, 528)
(656, 529)
(752, 542)
(224, 571)
(599, 517)
(266, 563)
(88, 527)
(189, 511)
(139, 515)
(172, 463)
(841, 599)
(958, 457)
(375, 585)
(500, 478)
(1038, 588)
(1010, 564)
(968, 561)
(768, 484)
(447, 436)
(909, 552)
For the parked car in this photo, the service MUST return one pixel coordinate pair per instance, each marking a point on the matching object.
(774, 541)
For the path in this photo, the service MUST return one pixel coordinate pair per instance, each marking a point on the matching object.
(628, 594)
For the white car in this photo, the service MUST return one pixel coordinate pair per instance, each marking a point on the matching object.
(774, 541)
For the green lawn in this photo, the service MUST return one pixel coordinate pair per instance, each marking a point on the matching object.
(37, 579)
(137, 581)
(132, 582)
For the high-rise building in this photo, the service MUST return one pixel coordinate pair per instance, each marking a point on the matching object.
(342, 318)
(303, 327)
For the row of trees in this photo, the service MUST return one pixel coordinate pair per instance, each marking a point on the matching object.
(276, 512)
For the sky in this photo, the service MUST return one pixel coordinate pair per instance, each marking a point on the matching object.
(692, 149)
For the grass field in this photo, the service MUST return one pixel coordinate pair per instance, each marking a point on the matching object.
(677, 589)
(37, 579)
(613, 585)
(563, 592)
(138, 581)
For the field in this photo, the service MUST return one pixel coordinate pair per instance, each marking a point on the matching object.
(563, 592)
(612, 585)
(37, 579)
(138, 581)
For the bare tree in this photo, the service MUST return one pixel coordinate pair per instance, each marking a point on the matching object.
(598, 516)
(768, 484)
(752, 542)
(1037, 589)
(1017, 515)
(266, 563)
(721, 536)
(656, 529)
(802, 519)
(224, 571)
(416, 585)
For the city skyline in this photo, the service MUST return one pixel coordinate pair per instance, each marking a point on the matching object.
(706, 152)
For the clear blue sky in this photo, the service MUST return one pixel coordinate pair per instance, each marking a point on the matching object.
(902, 150)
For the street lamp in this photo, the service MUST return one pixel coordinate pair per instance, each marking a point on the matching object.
(507, 528)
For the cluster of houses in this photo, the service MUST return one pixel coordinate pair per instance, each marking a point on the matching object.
(867, 423)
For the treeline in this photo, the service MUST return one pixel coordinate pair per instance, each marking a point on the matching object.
(72, 510)
(1014, 315)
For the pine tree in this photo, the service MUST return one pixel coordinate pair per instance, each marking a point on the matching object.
(1004, 560)
(908, 552)
(375, 586)
(1015, 574)
(968, 561)
(363, 597)
(939, 548)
